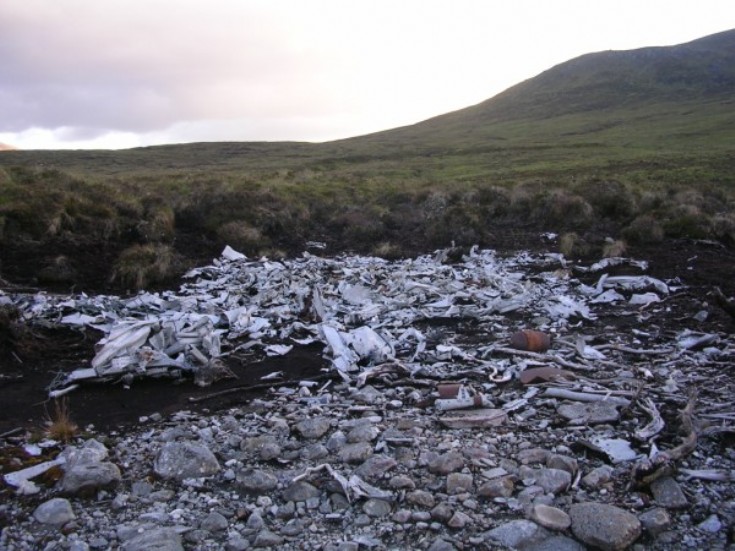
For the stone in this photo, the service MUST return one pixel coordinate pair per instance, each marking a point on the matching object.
(375, 467)
(556, 543)
(314, 452)
(532, 456)
(237, 543)
(214, 522)
(402, 482)
(498, 487)
(655, 521)
(367, 395)
(516, 533)
(256, 481)
(441, 544)
(85, 477)
(562, 462)
(458, 483)
(255, 444)
(604, 526)
(56, 512)
(160, 539)
(336, 441)
(446, 463)
(314, 427)
(421, 498)
(711, 524)
(181, 460)
(363, 432)
(376, 507)
(401, 516)
(597, 477)
(300, 491)
(550, 517)
(667, 493)
(269, 451)
(255, 522)
(355, 453)
(553, 481)
(266, 538)
(459, 520)
(442, 512)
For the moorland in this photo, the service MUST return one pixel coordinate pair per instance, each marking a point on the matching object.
(611, 150)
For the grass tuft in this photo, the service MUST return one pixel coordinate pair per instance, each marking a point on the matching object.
(59, 425)
(142, 265)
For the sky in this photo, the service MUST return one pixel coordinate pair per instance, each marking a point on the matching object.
(109, 74)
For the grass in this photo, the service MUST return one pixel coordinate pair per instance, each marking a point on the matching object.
(627, 147)
(59, 424)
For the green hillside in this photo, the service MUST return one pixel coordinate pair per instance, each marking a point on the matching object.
(636, 144)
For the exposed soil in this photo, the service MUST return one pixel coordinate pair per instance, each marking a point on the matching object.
(30, 357)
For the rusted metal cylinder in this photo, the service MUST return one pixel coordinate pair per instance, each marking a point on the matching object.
(530, 340)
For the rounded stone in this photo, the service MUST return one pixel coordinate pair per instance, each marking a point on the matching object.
(550, 517)
(499, 487)
(604, 526)
(300, 491)
(314, 427)
(56, 512)
(256, 481)
(376, 507)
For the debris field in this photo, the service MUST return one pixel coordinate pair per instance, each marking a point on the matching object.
(479, 401)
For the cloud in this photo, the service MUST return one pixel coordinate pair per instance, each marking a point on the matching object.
(159, 71)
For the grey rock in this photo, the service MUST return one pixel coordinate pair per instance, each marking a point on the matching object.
(667, 493)
(447, 463)
(84, 477)
(314, 427)
(367, 395)
(402, 482)
(269, 451)
(266, 538)
(314, 452)
(157, 539)
(441, 544)
(711, 524)
(655, 521)
(442, 512)
(214, 522)
(498, 487)
(56, 511)
(376, 507)
(180, 460)
(292, 528)
(604, 526)
(237, 543)
(336, 441)
(401, 516)
(459, 520)
(531, 456)
(255, 444)
(375, 467)
(556, 543)
(355, 453)
(597, 477)
(255, 522)
(550, 517)
(517, 533)
(339, 502)
(141, 488)
(421, 498)
(256, 481)
(300, 491)
(364, 432)
(458, 483)
(553, 481)
(563, 462)
(286, 511)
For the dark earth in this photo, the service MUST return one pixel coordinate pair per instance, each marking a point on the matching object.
(31, 356)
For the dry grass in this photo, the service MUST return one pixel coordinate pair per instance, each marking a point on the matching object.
(613, 248)
(59, 425)
(141, 265)
(572, 245)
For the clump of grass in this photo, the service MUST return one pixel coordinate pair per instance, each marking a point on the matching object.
(613, 248)
(572, 245)
(242, 236)
(563, 209)
(59, 425)
(644, 229)
(687, 220)
(610, 198)
(142, 265)
(387, 250)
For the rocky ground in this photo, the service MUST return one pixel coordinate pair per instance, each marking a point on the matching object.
(619, 439)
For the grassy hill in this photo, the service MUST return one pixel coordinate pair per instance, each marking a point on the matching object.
(635, 144)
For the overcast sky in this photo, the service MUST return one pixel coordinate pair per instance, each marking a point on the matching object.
(124, 73)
